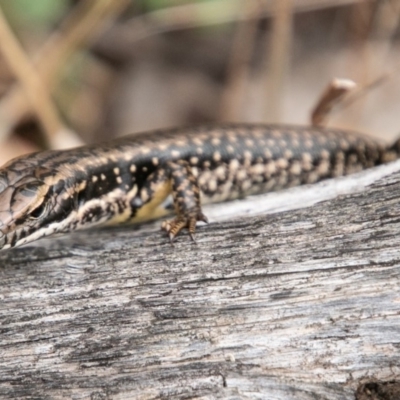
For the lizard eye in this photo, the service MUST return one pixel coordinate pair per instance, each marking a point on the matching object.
(28, 199)
(38, 211)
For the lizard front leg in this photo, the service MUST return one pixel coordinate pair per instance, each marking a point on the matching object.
(186, 197)
(176, 178)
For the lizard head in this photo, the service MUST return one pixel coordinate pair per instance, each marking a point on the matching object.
(32, 203)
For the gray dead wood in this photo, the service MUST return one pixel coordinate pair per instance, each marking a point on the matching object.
(301, 304)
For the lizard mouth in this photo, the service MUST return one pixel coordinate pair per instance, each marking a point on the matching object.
(8, 239)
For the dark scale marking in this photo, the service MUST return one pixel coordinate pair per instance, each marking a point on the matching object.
(93, 214)
(140, 171)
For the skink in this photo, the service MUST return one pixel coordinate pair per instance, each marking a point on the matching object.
(149, 175)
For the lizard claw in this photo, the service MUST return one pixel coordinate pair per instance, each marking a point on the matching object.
(174, 226)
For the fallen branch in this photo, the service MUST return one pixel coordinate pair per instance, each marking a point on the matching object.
(302, 304)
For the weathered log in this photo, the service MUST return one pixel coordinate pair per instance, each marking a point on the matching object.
(299, 304)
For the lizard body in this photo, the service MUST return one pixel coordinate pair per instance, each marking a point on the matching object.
(131, 179)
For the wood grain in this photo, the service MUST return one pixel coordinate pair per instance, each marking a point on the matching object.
(301, 304)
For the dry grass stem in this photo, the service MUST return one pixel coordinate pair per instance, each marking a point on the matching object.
(362, 91)
(80, 27)
(360, 24)
(84, 24)
(217, 12)
(30, 81)
(333, 94)
(383, 29)
(373, 26)
(277, 59)
(239, 64)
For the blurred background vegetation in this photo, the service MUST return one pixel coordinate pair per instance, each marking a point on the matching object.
(113, 67)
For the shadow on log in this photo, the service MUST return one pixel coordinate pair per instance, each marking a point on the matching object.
(302, 304)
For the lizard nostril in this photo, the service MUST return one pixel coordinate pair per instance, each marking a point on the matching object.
(3, 184)
(2, 240)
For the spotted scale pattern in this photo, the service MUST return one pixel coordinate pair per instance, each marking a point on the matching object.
(146, 176)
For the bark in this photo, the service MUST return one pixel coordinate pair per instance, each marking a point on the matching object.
(299, 304)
